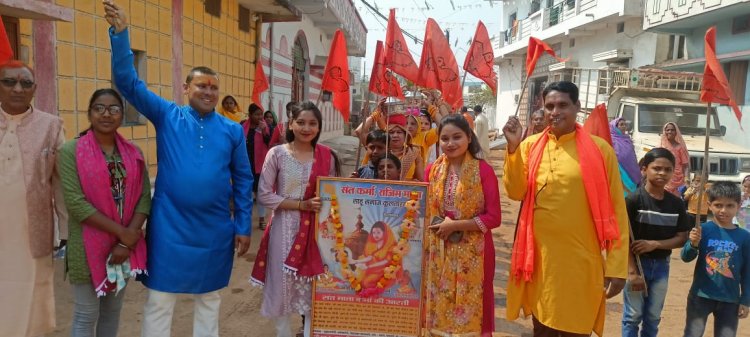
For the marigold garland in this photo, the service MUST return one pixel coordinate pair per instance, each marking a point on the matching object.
(354, 277)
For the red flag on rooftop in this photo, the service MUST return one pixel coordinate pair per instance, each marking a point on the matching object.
(480, 58)
(598, 124)
(260, 84)
(397, 55)
(6, 52)
(715, 87)
(382, 82)
(437, 67)
(534, 52)
(336, 75)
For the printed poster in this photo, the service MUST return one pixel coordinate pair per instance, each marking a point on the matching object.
(370, 234)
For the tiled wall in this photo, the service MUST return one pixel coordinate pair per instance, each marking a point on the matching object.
(84, 59)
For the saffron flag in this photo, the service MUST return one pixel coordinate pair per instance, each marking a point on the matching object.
(397, 55)
(534, 52)
(382, 81)
(336, 75)
(715, 87)
(480, 58)
(597, 124)
(438, 68)
(260, 84)
(6, 52)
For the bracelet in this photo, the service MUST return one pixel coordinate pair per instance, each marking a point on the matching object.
(299, 205)
(123, 245)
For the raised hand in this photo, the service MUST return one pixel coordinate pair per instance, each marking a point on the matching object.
(513, 133)
(115, 16)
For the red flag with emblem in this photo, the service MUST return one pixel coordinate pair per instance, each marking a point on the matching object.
(437, 67)
(715, 87)
(535, 50)
(598, 124)
(382, 82)
(336, 75)
(260, 84)
(397, 55)
(6, 52)
(480, 58)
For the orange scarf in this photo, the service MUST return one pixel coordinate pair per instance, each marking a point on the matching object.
(595, 182)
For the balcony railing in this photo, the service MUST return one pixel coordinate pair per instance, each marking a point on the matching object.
(546, 18)
(659, 13)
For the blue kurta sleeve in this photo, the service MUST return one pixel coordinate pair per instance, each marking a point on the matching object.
(242, 184)
(130, 86)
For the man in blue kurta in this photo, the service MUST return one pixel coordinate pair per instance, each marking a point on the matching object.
(203, 162)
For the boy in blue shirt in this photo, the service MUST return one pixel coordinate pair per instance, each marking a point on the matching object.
(376, 149)
(721, 282)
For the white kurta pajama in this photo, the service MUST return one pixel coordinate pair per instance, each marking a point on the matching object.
(27, 301)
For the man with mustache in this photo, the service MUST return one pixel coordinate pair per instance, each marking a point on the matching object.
(203, 162)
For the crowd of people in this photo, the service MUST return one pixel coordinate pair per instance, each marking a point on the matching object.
(629, 215)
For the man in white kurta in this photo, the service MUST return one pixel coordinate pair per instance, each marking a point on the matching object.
(29, 140)
(482, 130)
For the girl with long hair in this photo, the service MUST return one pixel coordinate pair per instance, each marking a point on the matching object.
(108, 196)
(463, 206)
(287, 262)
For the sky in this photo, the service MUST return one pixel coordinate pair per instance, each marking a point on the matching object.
(412, 16)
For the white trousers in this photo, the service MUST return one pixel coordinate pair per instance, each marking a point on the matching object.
(157, 314)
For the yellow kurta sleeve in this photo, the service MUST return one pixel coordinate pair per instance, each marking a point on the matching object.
(430, 137)
(617, 259)
(515, 169)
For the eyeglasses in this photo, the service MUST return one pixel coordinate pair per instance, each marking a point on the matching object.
(99, 109)
(11, 83)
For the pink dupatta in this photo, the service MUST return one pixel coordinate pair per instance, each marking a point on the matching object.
(304, 259)
(95, 183)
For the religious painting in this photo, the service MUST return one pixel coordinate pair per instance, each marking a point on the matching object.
(370, 234)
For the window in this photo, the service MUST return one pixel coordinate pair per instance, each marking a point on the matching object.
(132, 116)
(737, 76)
(299, 69)
(681, 3)
(656, 7)
(512, 20)
(571, 3)
(676, 49)
(620, 27)
(244, 19)
(11, 28)
(536, 5)
(213, 7)
(572, 43)
(741, 24)
(628, 114)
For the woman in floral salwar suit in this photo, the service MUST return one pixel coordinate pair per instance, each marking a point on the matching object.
(463, 206)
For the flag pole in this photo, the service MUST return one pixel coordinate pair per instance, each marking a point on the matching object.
(365, 109)
(520, 97)
(704, 174)
(639, 265)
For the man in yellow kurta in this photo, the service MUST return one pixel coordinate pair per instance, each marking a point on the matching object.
(572, 270)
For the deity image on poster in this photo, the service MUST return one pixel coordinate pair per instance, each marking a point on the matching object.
(371, 232)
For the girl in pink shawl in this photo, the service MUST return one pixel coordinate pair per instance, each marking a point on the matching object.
(108, 196)
(671, 139)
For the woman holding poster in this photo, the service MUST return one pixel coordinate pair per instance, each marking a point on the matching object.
(463, 205)
(287, 261)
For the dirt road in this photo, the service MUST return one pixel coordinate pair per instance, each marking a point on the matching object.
(240, 309)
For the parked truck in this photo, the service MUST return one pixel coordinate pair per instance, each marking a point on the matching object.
(649, 98)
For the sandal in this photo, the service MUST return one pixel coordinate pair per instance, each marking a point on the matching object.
(262, 223)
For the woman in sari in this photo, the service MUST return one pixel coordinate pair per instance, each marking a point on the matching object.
(230, 109)
(419, 137)
(377, 254)
(671, 139)
(630, 173)
(108, 196)
(287, 261)
(464, 206)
